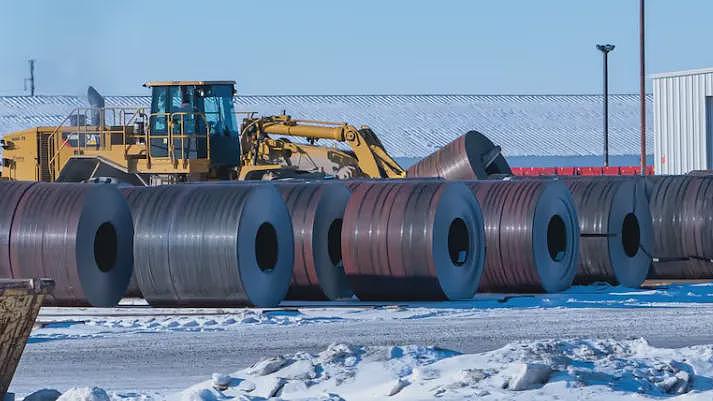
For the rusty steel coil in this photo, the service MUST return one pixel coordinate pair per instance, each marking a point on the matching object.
(470, 156)
(211, 245)
(532, 235)
(412, 240)
(616, 233)
(79, 235)
(317, 212)
(10, 194)
(682, 216)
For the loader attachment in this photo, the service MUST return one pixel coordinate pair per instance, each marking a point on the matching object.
(20, 302)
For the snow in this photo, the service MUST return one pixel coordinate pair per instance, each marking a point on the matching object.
(133, 316)
(573, 345)
(580, 369)
(84, 394)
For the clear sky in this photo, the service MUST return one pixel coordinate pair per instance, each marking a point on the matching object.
(347, 47)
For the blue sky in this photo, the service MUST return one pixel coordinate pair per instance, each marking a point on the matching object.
(340, 47)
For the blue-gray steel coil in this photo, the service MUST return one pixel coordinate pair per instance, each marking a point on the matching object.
(616, 229)
(212, 245)
(680, 208)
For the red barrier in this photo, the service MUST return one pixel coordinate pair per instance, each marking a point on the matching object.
(589, 171)
(566, 171)
(611, 170)
(586, 171)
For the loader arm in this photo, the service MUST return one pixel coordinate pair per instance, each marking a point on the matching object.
(373, 159)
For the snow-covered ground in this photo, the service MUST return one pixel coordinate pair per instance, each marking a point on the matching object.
(541, 370)
(594, 342)
(134, 316)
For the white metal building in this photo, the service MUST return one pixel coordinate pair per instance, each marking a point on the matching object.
(683, 121)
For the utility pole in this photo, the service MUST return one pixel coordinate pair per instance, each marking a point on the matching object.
(31, 79)
(642, 85)
(605, 49)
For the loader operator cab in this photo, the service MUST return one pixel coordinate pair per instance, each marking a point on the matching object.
(194, 120)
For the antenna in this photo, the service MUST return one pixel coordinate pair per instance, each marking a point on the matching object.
(31, 79)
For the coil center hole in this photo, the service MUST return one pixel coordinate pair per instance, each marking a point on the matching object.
(631, 235)
(556, 238)
(458, 242)
(334, 242)
(266, 247)
(105, 247)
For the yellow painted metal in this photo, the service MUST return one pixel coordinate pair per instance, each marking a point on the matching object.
(371, 159)
(20, 302)
(40, 154)
(187, 83)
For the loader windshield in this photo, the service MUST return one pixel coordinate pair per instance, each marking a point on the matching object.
(218, 108)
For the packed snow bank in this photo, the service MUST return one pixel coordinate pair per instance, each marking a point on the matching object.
(542, 370)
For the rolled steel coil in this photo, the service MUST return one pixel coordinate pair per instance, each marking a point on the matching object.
(412, 240)
(10, 194)
(317, 212)
(682, 216)
(532, 235)
(468, 157)
(616, 230)
(212, 245)
(79, 235)
(669, 211)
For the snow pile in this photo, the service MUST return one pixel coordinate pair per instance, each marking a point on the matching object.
(84, 394)
(544, 370)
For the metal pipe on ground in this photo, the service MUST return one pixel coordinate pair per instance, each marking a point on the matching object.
(532, 235)
(469, 157)
(680, 209)
(317, 212)
(79, 235)
(412, 240)
(209, 245)
(616, 232)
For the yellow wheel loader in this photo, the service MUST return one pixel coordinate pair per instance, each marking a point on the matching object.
(190, 133)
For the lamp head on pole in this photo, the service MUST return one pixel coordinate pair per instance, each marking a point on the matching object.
(605, 48)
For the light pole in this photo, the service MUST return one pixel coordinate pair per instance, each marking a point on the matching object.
(605, 49)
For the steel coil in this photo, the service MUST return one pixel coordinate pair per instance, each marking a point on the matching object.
(317, 212)
(616, 230)
(682, 214)
(532, 235)
(470, 156)
(412, 240)
(212, 245)
(79, 235)
(10, 194)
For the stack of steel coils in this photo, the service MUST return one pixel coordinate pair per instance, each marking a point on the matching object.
(79, 235)
(532, 235)
(470, 156)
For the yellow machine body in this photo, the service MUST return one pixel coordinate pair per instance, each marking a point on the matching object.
(190, 133)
